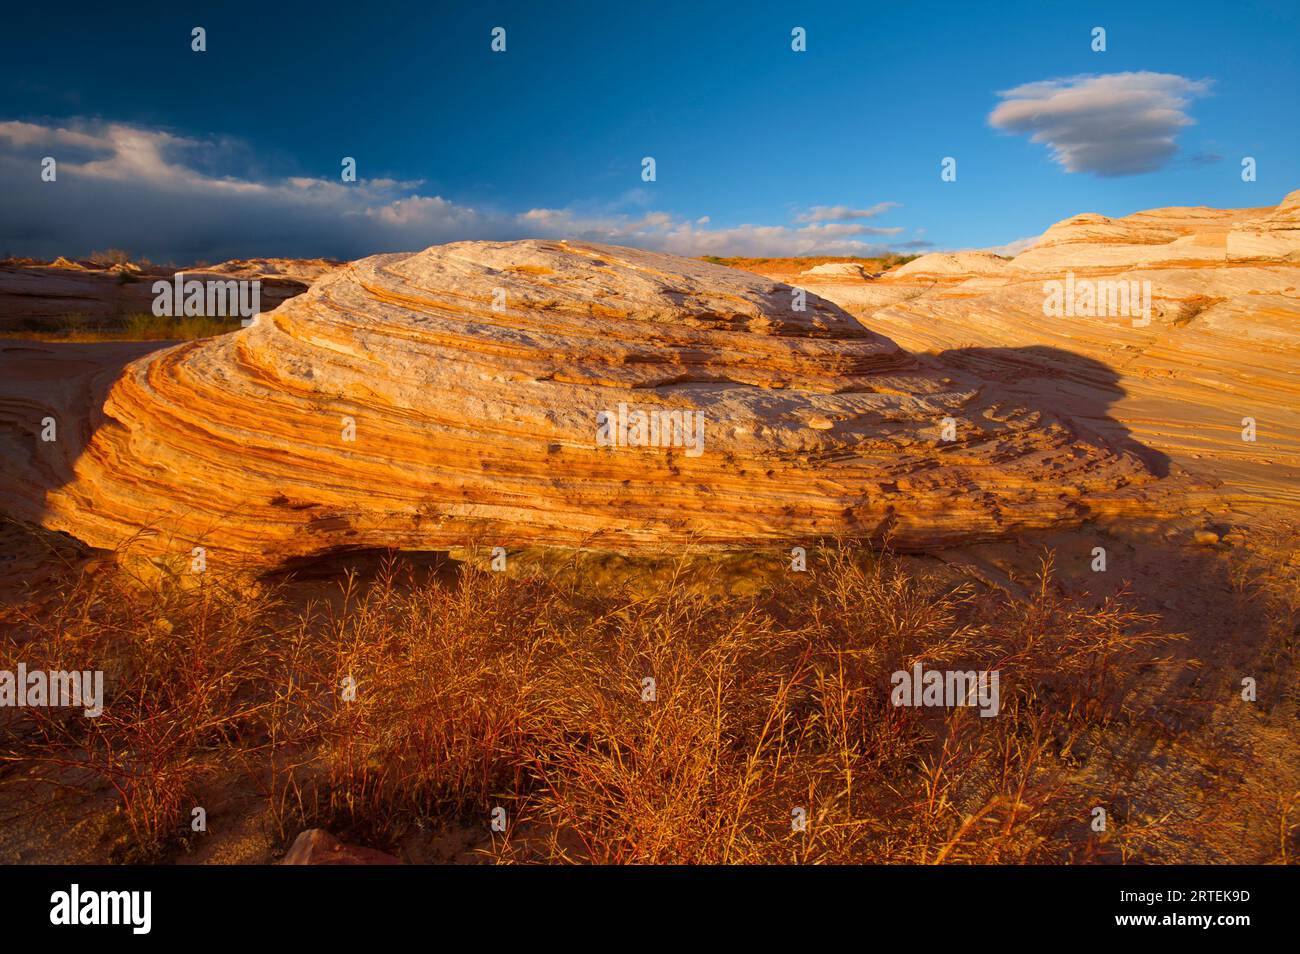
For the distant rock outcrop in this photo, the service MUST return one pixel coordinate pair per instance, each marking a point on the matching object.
(851, 269)
(947, 264)
(548, 393)
(30, 289)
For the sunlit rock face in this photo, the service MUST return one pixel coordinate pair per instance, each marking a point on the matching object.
(543, 392)
(1208, 375)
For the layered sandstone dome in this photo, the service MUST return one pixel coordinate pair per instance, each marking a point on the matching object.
(430, 400)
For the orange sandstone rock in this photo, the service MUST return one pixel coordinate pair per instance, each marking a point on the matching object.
(1210, 383)
(427, 400)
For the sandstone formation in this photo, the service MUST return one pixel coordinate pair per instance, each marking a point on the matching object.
(947, 265)
(851, 269)
(457, 395)
(1220, 347)
(38, 290)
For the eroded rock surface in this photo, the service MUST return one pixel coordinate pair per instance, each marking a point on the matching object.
(427, 400)
(1219, 353)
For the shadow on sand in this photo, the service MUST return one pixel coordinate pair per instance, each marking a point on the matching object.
(1068, 385)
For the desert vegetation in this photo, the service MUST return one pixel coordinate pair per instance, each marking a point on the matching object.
(405, 704)
(115, 256)
(138, 326)
(793, 266)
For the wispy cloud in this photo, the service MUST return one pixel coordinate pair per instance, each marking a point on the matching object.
(840, 213)
(1012, 249)
(1118, 124)
(839, 229)
(172, 197)
(660, 230)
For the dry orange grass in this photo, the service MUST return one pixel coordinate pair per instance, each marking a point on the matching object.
(137, 327)
(181, 666)
(1267, 570)
(403, 706)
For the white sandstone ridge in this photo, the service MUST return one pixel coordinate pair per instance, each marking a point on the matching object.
(455, 395)
(1161, 236)
(1197, 362)
(1156, 237)
(851, 269)
(949, 264)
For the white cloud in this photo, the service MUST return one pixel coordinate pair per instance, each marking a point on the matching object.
(836, 229)
(421, 211)
(1013, 248)
(1117, 124)
(837, 213)
(659, 230)
(170, 197)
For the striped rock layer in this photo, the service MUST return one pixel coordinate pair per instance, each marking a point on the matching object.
(1216, 364)
(454, 396)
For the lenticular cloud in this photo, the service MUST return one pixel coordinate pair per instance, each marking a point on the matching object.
(1119, 124)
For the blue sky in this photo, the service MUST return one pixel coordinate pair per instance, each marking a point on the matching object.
(236, 151)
